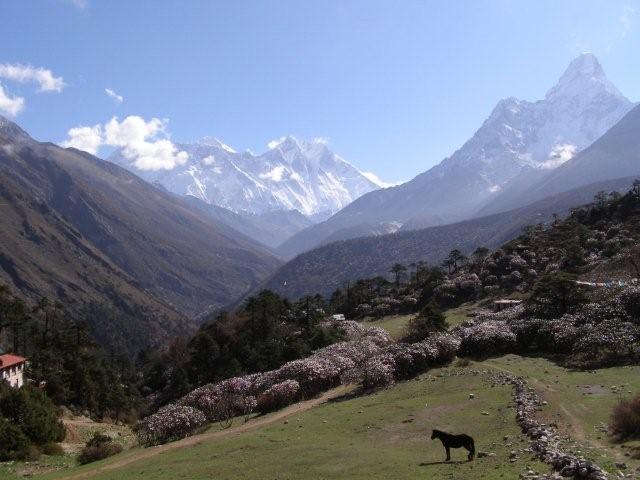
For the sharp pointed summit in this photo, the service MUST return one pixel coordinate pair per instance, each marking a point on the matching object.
(518, 143)
(583, 76)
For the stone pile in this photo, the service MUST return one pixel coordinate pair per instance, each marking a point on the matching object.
(544, 439)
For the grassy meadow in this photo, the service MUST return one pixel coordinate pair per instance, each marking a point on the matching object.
(386, 434)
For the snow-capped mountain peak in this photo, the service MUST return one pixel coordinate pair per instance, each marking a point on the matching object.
(293, 174)
(583, 77)
(214, 142)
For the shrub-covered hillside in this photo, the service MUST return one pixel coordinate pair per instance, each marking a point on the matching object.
(329, 267)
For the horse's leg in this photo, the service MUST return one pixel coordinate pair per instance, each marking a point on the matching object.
(446, 447)
(472, 450)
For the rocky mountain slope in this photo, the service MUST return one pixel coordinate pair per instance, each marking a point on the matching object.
(615, 154)
(516, 145)
(331, 266)
(130, 259)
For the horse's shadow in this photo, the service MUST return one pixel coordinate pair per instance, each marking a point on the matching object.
(428, 464)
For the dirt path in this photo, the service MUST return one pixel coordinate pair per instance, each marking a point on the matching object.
(196, 439)
(578, 433)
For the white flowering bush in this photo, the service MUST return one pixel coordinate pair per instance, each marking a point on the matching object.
(357, 331)
(169, 423)
(278, 396)
(608, 342)
(378, 371)
(493, 337)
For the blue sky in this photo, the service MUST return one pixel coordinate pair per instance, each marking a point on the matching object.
(394, 86)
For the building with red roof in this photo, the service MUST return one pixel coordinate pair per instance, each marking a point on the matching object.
(12, 369)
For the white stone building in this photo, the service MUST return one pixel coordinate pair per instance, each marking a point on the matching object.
(12, 369)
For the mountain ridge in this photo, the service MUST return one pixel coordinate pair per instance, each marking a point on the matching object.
(518, 140)
(132, 260)
(328, 267)
(292, 174)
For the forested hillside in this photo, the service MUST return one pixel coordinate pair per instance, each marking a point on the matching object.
(332, 266)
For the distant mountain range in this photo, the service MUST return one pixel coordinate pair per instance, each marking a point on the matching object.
(292, 175)
(516, 147)
(135, 262)
(140, 261)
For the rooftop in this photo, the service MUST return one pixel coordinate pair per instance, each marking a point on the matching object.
(8, 360)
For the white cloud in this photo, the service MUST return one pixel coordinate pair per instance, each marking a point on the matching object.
(321, 140)
(26, 73)
(559, 154)
(373, 178)
(144, 144)
(88, 139)
(274, 175)
(209, 160)
(140, 143)
(626, 19)
(10, 105)
(110, 93)
(80, 4)
(274, 143)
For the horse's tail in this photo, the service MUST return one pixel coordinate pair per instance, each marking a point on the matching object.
(473, 447)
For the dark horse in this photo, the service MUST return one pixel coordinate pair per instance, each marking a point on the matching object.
(455, 441)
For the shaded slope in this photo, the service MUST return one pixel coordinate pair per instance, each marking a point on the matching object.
(268, 228)
(326, 268)
(89, 233)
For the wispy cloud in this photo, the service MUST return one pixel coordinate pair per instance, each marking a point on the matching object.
(10, 105)
(45, 78)
(110, 93)
(19, 73)
(80, 4)
(627, 19)
(145, 144)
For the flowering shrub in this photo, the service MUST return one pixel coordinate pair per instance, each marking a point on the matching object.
(492, 337)
(356, 331)
(378, 371)
(171, 422)
(403, 360)
(226, 399)
(630, 300)
(314, 374)
(278, 396)
(611, 341)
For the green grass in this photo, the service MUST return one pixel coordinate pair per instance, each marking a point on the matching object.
(385, 435)
(379, 436)
(17, 470)
(455, 316)
(580, 402)
(394, 324)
